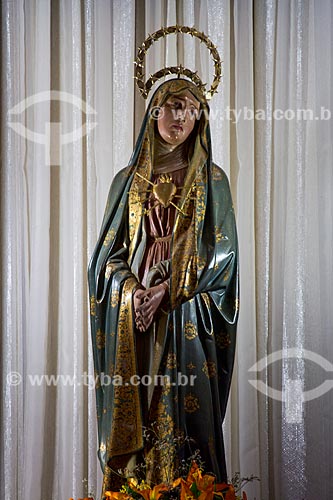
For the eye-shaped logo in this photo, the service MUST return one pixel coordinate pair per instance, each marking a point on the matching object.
(53, 139)
(292, 395)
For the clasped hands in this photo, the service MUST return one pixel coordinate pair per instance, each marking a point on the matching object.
(146, 303)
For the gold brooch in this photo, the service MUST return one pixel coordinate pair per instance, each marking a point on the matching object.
(164, 192)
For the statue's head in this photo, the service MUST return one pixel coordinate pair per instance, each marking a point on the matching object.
(176, 109)
(177, 117)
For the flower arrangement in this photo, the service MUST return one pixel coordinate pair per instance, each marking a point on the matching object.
(197, 486)
(191, 483)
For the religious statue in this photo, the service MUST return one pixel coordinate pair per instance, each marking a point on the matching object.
(163, 283)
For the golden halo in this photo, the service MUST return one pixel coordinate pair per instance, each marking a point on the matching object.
(145, 88)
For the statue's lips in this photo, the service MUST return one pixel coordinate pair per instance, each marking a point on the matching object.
(177, 127)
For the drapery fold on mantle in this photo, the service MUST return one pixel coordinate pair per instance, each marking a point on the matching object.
(276, 56)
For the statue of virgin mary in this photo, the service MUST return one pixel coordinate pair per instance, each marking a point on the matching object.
(163, 283)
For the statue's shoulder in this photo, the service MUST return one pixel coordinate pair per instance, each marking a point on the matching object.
(218, 174)
(123, 173)
(221, 185)
(121, 177)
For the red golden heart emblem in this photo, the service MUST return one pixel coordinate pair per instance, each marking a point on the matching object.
(164, 192)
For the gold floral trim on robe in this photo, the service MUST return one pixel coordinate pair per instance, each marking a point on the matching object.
(126, 433)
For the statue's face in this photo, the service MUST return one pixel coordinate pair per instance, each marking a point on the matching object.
(177, 118)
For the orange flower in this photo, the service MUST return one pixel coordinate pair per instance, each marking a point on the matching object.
(193, 473)
(206, 486)
(222, 486)
(150, 493)
(203, 487)
(113, 495)
(185, 489)
(230, 494)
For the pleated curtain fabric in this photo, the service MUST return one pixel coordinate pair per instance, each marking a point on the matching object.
(70, 65)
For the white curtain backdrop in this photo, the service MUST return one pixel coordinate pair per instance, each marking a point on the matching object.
(277, 58)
